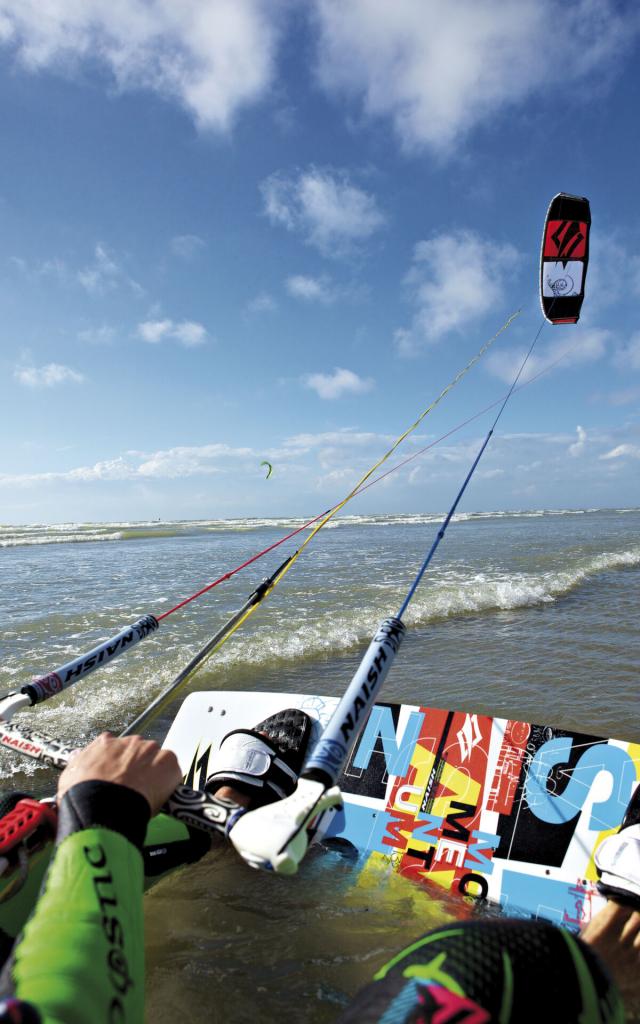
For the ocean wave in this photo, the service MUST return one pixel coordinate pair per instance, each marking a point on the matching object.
(79, 538)
(452, 595)
(77, 533)
(319, 622)
(481, 593)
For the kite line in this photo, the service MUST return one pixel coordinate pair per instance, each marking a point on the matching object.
(237, 621)
(49, 685)
(277, 838)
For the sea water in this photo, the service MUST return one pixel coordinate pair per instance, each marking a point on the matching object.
(530, 615)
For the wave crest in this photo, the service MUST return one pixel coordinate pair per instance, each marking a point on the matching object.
(76, 533)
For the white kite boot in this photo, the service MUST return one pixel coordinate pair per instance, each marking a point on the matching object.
(617, 859)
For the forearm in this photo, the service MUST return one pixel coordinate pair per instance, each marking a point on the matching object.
(80, 959)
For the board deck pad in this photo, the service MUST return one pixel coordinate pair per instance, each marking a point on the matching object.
(486, 807)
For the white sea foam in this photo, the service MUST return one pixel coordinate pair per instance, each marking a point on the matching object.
(75, 533)
(453, 593)
(481, 593)
(79, 538)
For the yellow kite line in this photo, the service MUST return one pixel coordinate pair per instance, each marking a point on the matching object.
(356, 488)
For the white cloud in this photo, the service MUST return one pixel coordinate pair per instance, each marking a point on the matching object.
(578, 347)
(99, 277)
(47, 376)
(48, 268)
(106, 469)
(154, 331)
(631, 451)
(189, 333)
(104, 274)
(517, 469)
(340, 455)
(338, 383)
(577, 447)
(613, 274)
(262, 303)
(189, 461)
(166, 464)
(454, 279)
(102, 335)
(187, 247)
(439, 70)
(300, 444)
(628, 356)
(53, 268)
(212, 58)
(310, 289)
(623, 397)
(324, 206)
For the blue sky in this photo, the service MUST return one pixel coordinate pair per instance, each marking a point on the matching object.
(235, 230)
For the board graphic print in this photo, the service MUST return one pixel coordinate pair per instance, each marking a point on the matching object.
(486, 807)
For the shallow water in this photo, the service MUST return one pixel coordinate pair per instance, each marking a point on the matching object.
(528, 615)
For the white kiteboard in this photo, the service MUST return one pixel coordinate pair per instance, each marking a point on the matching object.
(487, 807)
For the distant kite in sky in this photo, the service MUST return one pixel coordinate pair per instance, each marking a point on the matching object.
(564, 258)
(269, 468)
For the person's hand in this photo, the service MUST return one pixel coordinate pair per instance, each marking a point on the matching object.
(131, 761)
(614, 933)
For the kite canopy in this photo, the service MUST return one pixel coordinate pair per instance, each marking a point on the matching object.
(564, 258)
(269, 468)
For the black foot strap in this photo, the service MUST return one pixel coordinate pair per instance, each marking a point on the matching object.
(265, 762)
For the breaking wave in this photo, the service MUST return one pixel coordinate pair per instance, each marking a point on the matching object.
(78, 533)
(451, 595)
(321, 618)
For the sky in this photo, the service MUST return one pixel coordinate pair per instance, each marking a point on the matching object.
(244, 230)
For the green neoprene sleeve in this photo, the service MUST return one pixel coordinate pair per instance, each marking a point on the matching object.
(80, 959)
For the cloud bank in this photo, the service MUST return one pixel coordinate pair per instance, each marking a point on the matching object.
(435, 70)
(211, 58)
(438, 70)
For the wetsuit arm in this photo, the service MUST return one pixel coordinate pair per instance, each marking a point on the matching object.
(80, 959)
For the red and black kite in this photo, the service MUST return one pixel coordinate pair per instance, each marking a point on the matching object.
(564, 258)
